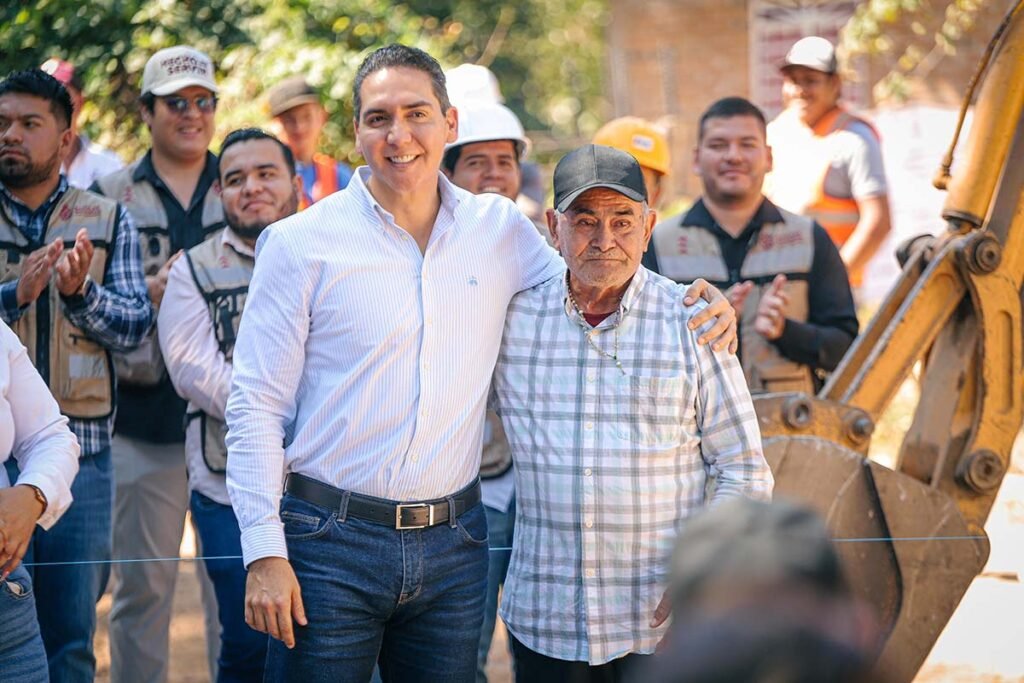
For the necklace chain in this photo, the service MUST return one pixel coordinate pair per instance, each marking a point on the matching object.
(614, 356)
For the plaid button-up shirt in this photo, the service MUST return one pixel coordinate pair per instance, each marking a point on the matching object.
(116, 313)
(610, 462)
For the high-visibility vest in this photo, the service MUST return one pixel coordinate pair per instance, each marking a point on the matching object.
(77, 369)
(145, 365)
(812, 159)
(326, 182)
(222, 276)
(686, 252)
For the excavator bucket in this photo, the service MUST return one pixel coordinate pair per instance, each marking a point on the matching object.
(904, 546)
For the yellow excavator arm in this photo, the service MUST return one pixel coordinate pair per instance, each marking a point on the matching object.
(912, 538)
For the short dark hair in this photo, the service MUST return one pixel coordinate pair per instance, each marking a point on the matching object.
(38, 83)
(246, 134)
(148, 101)
(394, 56)
(728, 107)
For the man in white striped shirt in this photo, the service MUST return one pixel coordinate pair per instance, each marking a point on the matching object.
(618, 421)
(361, 370)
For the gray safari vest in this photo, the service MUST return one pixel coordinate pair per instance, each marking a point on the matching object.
(77, 369)
(145, 365)
(686, 252)
(222, 276)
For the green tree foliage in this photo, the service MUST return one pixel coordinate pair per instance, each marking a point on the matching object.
(937, 26)
(548, 54)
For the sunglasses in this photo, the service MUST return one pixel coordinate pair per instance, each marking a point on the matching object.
(179, 105)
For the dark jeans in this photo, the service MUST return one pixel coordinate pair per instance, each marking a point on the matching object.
(243, 651)
(66, 594)
(532, 667)
(412, 600)
(500, 529)
(22, 657)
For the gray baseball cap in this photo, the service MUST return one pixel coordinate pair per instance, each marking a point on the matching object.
(812, 52)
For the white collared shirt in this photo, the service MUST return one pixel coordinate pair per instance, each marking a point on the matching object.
(369, 360)
(33, 431)
(197, 367)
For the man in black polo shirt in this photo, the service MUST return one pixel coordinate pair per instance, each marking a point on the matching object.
(170, 194)
(785, 277)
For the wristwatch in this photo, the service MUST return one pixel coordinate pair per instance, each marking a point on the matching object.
(40, 496)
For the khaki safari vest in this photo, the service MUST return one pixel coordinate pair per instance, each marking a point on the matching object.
(145, 365)
(77, 369)
(686, 252)
(222, 276)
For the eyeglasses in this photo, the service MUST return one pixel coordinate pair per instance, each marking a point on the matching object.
(206, 104)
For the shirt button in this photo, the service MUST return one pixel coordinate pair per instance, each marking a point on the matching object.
(591, 377)
(415, 458)
(589, 524)
(590, 573)
(587, 472)
(590, 426)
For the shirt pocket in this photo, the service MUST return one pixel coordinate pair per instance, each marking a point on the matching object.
(653, 410)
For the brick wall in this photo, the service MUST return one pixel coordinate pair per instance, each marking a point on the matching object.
(669, 59)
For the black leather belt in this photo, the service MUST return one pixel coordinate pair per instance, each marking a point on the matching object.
(394, 515)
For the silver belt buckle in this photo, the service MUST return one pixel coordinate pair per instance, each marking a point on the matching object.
(410, 506)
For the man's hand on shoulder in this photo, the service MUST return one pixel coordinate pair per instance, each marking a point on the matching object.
(273, 599)
(723, 333)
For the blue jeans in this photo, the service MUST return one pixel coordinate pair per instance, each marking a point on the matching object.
(243, 651)
(22, 657)
(412, 600)
(500, 529)
(66, 595)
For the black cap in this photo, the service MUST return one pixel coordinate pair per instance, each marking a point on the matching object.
(597, 166)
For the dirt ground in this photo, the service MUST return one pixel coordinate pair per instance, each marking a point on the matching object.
(981, 643)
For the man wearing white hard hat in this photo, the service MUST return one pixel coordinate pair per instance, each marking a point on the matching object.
(486, 157)
(828, 161)
(171, 195)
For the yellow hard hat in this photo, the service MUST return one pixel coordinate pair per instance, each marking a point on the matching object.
(642, 139)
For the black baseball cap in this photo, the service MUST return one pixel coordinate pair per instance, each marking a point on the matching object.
(593, 166)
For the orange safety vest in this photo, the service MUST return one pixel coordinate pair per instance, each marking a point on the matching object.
(326, 182)
(838, 215)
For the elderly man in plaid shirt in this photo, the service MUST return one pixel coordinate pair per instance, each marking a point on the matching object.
(621, 426)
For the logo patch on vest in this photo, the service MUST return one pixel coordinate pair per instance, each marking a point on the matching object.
(223, 262)
(779, 240)
(65, 213)
(87, 211)
(683, 247)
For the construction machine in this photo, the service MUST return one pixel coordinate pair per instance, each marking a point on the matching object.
(915, 534)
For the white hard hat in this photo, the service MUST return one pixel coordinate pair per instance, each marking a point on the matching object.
(487, 121)
(472, 83)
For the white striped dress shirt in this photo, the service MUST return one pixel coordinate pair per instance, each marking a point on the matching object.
(610, 462)
(367, 359)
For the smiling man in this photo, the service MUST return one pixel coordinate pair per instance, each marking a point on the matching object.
(199, 319)
(828, 162)
(361, 372)
(298, 113)
(170, 193)
(783, 273)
